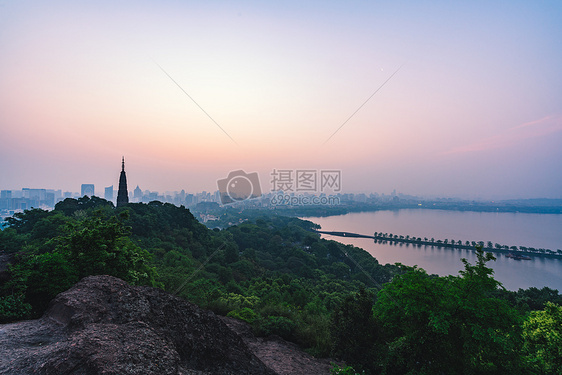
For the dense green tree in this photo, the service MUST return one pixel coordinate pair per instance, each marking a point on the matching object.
(13, 307)
(101, 247)
(57, 259)
(231, 253)
(531, 299)
(353, 331)
(300, 286)
(542, 332)
(23, 222)
(49, 226)
(70, 206)
(449, 325)
(11, 241)
(41, 277)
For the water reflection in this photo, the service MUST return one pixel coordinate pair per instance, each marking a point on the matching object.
(504, 228)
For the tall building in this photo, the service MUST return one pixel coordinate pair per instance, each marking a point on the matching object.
(109, 193)
(122, 194)
(87, 189)
(138, 194)
(5, 200)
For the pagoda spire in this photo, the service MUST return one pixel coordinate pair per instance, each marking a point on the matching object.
(122, 193)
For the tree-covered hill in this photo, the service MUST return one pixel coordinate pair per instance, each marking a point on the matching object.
(276, 274)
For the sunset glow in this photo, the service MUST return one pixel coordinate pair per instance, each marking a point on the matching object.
(475, 110)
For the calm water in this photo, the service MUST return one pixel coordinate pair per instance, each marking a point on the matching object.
(532, 230)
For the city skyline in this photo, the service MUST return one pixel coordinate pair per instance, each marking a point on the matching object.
(451, 100)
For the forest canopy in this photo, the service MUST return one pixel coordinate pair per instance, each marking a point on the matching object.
(276, 274)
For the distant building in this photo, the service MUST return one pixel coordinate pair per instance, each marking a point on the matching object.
(58, 195)
(87, 189)
(109, 193)
(137, 194)
(6, 194)
(122, 194)
(35, 194)
(361, 198)
(6, 200)
(189, 199)
(50, 196)
(34, 198)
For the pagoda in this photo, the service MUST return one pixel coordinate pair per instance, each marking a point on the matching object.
(122, 193)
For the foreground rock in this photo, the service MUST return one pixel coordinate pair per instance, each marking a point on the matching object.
(285, 358)
(103, 325)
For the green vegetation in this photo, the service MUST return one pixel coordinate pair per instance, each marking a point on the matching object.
(344, 370)
(542, 332)
(348, 204)
(448, 324)
(489, 246)
(276, 274)
(58, 250)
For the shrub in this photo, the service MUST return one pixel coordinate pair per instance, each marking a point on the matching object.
(246, 314)
(275, 325)
(13, 308)
(347, 370)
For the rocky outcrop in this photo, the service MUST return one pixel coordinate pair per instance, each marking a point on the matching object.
(103, 325)
(283, 357)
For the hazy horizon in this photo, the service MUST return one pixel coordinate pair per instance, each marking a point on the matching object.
(472, 111)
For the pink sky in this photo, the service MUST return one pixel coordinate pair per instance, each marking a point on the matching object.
(474, 111)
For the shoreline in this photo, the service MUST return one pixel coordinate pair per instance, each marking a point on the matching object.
(441, 244)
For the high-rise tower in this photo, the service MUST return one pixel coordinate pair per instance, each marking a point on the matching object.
(122, 194)
(109, 193)
(87, 189)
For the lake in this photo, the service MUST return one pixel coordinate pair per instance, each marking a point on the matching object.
(520, 229)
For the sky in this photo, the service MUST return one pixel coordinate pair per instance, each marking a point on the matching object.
(433, 98)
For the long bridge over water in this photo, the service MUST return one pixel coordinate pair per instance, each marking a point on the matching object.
(439, 243)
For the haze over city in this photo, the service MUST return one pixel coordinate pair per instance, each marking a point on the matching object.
(468, 101)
